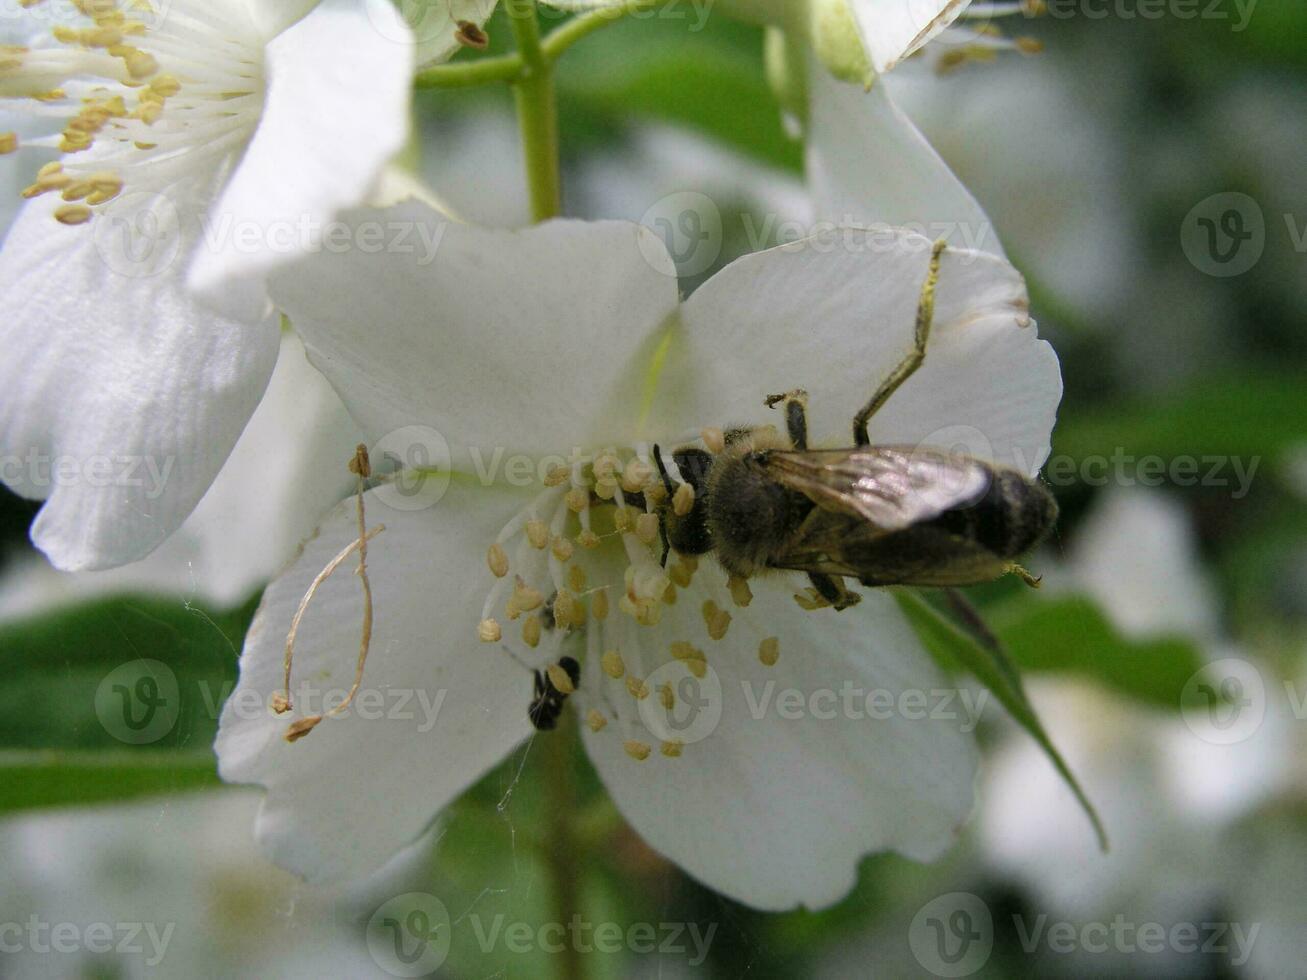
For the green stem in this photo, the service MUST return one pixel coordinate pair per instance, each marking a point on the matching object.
(582, 26)
(537, 113)
(465, 74)
(563, 849)
(512, 67)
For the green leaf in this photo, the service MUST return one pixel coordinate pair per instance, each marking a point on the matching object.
(114, 699)
(31, 779)
(1235, 415)
(956, 650)
(710, 80)
(56, 665)
(1071, 635)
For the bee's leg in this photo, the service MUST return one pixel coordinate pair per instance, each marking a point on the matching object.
(667, 542)
(908, 366)
(662, 471)
(1027, 576)
(796, 415)
(833, 591)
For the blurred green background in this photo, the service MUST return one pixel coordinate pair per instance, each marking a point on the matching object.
(1096, 160)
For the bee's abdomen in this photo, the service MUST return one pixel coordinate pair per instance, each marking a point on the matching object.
(1012, 516)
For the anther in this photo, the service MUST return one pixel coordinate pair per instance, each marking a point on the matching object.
(769, 651)
(8, 143)
(666, 696)
(537, 532)
(556, 476)
(524, 599)
(636, 476)
(810, 600)
(646, 528)
(621, 519)
(588, 539)
(637, 688)
(489, 632)
(560, 679)
(497, 559)
(578, 498)
(595, 721)
(599, 605)
(683, 500)
(613, 664)
(72, 214)
(568, 610)
(531, 631)
(639, 751)
(741, 594)
(562, 548)
(672, 748)
(576, 579)
(717, 620)
(298, 729)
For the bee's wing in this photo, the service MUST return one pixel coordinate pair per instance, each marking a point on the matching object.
(891, 487)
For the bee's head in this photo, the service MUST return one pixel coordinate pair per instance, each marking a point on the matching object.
(687, 530)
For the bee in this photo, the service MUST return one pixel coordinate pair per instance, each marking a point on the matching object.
(877, 515)
(547, 703)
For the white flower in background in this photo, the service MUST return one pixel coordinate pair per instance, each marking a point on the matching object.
(524, 345)
(1166, 794)
(867, 162)
(183, 132)
(1025, 138)
(202, 899)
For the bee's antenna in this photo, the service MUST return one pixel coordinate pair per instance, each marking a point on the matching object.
(662, 470)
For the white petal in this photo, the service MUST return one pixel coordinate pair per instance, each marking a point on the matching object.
(271, 17)
(124, 382)
(868, 164)
(525, 340)
(287, 469)
(337, 109)
(834, 314)
(893, 29)
(775, 808)
(360, 786)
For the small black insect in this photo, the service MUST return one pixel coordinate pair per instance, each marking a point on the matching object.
(547, 704)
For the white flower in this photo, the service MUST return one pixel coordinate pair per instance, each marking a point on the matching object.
(183, 132)
(573, 334)
(283, 472)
